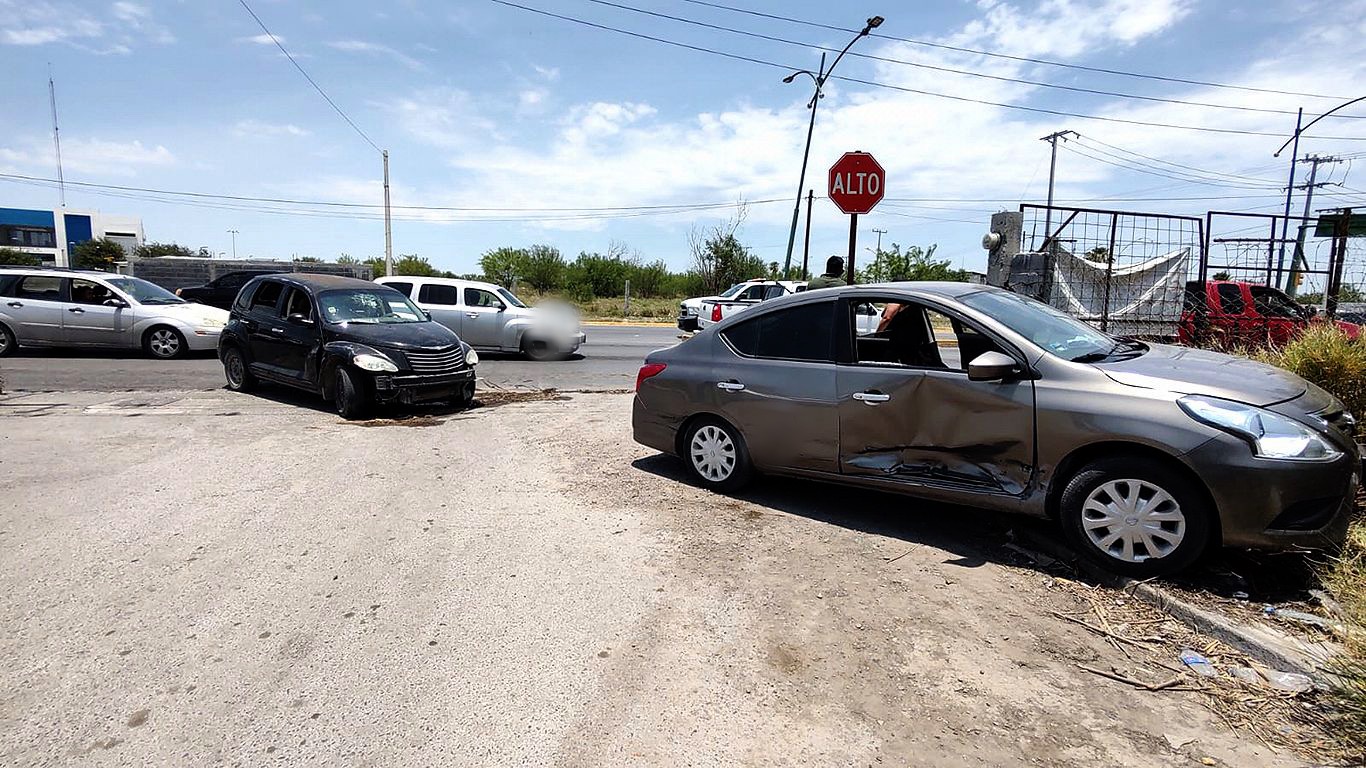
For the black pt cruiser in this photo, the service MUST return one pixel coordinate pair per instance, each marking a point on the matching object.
(354, 342)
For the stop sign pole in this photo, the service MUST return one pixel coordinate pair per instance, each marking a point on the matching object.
(856, 185)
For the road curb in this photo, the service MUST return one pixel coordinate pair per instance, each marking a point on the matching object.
(1265, 644)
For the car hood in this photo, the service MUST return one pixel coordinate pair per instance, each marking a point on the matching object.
(189, 312)
(397, 335)
(1188, 371)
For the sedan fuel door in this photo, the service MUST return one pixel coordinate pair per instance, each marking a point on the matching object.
(774, 379)
(909, 411)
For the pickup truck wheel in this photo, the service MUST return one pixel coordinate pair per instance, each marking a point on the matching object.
(349, 395)
(1135, 516)
(716, 456)
(236, 372)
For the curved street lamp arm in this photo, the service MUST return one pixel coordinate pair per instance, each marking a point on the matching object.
(1301, 131)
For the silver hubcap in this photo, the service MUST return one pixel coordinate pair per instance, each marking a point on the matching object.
(1133, 520)
(235, 369)
(164, 343)
(713, 453)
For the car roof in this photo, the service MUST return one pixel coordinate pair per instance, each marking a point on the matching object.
(59, 271)
(317, 281)
(909, 289)
(434, 279)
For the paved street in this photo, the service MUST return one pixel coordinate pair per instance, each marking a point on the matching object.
(199, 578)
(609, 360)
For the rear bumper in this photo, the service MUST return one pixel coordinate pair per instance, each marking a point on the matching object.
(420, 389)
(648, 429)
(1265, 504)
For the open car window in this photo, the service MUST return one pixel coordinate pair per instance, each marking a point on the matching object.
(911, 335)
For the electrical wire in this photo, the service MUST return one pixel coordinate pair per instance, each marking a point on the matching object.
(1026, 59)
(1086, 140)
(308, 77)
(1150, 170)
(951, 70)
(906, 89)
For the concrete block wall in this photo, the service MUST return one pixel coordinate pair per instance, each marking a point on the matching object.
(172, 273)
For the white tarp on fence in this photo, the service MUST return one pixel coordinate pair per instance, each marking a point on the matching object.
(1143, 298)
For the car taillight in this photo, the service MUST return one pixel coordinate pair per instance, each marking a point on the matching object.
(716, 313)
(648, 370)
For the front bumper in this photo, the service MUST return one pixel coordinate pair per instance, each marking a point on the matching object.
(418, 388)
(1268, 504)
(687, 323)
(200, 339)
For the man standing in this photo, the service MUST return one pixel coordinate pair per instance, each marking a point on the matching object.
(833, 277)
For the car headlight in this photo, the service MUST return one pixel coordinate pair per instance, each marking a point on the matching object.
(471, 357)
(1272, 435)
(374, 363)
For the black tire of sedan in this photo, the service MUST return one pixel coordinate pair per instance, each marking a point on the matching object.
(163, 343)
(349, 395)
(716, 456)
(7, 341)
(237, 373)
(1135, 516)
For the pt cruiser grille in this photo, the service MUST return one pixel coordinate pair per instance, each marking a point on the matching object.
(432, 363)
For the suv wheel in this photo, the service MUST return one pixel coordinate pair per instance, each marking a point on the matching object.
(164, 343)
(235, 370)
(541, 351)
(1135, 516)
(349, 394)
(716, 456)
(7, 341)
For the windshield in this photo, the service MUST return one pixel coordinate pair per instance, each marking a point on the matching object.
(509, 298)
(143, 292)
(368, 305)
(731, 291)
(1272, 303)
(1047, 327)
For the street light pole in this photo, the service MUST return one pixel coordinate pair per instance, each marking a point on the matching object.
(388, 228)
(233, 232)
(819, 77)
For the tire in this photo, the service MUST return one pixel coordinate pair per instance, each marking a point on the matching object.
(716, 456)
(237, 373)
(465, 399)
(7, 341)
(541, 352)
(349, 395)
(1165, 531)
(164, 343)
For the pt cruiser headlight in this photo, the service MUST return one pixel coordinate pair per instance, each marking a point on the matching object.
(374, 363)
(1272, 435)
(471, 358)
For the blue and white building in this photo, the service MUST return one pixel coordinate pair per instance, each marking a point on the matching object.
(51, 234)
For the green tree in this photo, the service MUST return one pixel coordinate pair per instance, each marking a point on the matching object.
(915, 263)
(157, 250)
(308, 260)
(648, 280)
(413, 265)
(99, 254)
(541, 267)
(1220, 276)
(17, 258)
(501, 265)
(593, 275)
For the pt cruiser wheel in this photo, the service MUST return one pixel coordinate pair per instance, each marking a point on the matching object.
(1135, 516)
(349, 394)
(716, 455)
(236, 372)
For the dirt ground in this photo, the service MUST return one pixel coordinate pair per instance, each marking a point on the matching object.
(209, 578)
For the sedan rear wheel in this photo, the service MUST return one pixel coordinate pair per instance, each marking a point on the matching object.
(1135, 516)
(716, 456)
(7, 341)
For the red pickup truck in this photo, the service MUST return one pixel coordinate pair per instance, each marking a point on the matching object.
(1242, 314)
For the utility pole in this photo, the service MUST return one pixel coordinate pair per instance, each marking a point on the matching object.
(880, 233)
(1052, 139)
(233, 232)
(1298, 258)
(388, 228)
(56, 136)
(1289, 193)
(806, 252)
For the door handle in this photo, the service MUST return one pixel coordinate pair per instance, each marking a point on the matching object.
(277, 330)
(872, 398)
(472, 315)
(730, 386)
(16, 304)
(76, 310)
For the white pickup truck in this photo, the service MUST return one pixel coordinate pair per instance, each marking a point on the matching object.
(716, 308)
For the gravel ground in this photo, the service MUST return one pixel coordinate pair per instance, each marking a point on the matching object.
(203, 577)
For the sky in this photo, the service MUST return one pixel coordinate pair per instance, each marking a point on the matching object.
(507, 127)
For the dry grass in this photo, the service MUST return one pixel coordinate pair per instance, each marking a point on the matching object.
(613, 309)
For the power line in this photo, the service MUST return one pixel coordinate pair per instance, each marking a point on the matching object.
(951, 70)
(1026, 59)
(1086, 140)
(307, 77)
(1140, 167)
(905, 89)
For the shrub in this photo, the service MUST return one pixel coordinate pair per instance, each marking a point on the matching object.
(1325, 355)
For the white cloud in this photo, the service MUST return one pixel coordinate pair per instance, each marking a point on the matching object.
(127, 11)
(257, 128)
(43, 23)
(532, 97)
(550, 74)
(262, 39)
(361, 46)
(100, 157)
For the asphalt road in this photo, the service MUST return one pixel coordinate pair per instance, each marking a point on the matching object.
(609, 360)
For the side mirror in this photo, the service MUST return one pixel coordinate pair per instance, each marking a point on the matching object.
(427, 313)
(1312, 311)
(116, 303)
(299, 319)
(991, 366)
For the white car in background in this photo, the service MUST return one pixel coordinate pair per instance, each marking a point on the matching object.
(714, 310)
(490, 318)
(750, 291)
(52, 307)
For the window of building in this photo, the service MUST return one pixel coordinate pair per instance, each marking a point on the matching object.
(18, 236)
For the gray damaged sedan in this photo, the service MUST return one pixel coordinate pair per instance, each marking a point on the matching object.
(1147, 455)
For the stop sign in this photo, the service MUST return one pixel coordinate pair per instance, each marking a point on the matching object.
(856, 182)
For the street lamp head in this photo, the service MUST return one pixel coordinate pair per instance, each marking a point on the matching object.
(790, 77)
(873, 23)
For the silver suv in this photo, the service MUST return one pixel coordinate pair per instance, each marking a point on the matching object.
(44, 307)
(491, 319)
